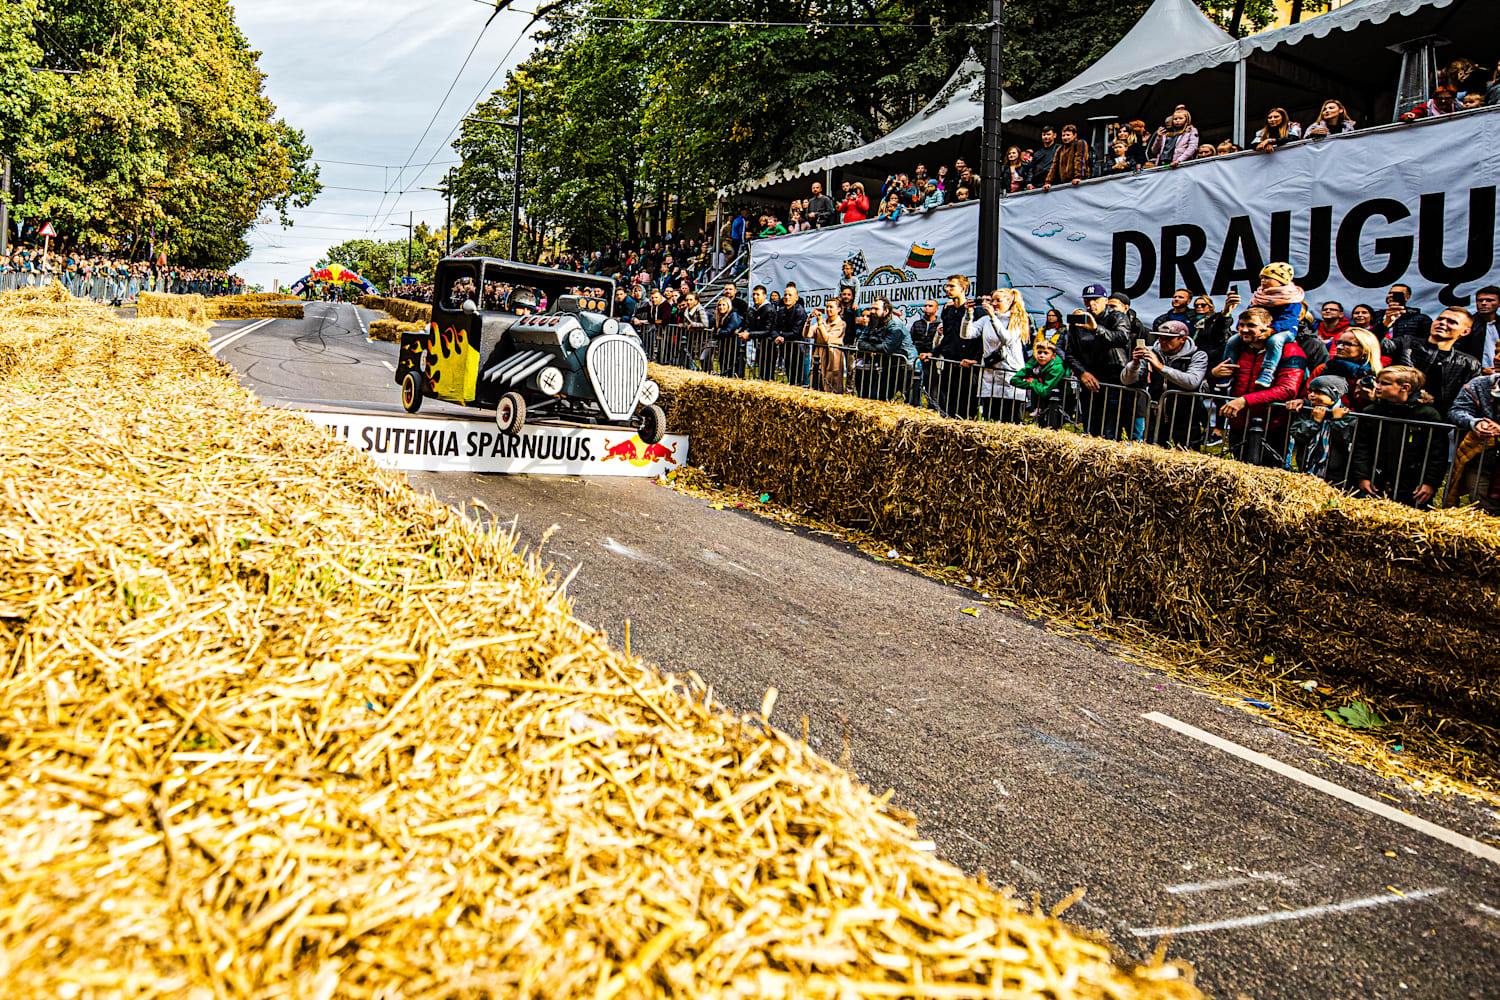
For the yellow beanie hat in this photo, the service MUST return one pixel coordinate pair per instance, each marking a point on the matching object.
(1279, 271)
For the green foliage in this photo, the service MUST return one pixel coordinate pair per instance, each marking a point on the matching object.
(165, 129)
(621, 114)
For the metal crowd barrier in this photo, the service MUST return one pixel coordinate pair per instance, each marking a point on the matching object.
(1402, 455)
(112, 288)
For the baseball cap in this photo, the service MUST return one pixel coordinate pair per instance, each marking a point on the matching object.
(1094, 292)
(1122, 298)
(1173, 328)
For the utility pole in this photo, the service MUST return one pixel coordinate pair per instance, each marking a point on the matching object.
(4, 206)
(991, 160)
(515, 195)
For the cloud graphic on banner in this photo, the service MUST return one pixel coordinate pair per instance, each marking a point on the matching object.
(1075, 237)
(1048, 229)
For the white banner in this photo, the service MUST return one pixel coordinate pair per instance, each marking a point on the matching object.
(907, 261)
(1354, 214)
(425, 444)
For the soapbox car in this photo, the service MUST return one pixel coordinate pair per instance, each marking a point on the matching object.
(529, 341)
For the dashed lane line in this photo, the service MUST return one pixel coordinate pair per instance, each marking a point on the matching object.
(1257, 919)
(214, 346)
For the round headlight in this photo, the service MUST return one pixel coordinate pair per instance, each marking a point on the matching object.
(611, 327)
(549, 380)
(578, 339)
(650, 392)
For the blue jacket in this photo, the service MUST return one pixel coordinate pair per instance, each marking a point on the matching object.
(892, 338)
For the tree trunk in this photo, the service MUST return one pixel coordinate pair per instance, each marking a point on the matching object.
(1236, 18)
(1296, 11)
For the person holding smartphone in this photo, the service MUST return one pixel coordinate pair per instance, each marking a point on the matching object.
(1096, 350)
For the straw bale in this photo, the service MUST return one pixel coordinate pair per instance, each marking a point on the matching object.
(253, 306)
(164, 306)
(399, 309)
(391, 330)
(1220, 553)
(276, 725)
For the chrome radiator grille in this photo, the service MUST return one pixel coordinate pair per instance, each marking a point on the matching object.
(617, 367)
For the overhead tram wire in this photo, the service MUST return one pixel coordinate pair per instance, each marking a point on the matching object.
(472, 104)
(546, 11)
(439, 110)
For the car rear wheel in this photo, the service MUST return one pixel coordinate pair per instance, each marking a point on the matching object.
(653, 424)
(411, 392)
(510, 413)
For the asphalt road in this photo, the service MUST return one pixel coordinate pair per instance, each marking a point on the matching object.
(1023, 754)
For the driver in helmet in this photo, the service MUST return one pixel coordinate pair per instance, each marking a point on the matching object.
(523, 301)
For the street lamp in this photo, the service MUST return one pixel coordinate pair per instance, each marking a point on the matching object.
(446, 189)
(515, 196)
(409, 225)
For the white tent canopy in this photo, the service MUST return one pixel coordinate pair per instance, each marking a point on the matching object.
(1172, 38)
(956, 108)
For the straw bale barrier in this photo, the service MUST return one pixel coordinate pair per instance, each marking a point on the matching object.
(161, 305)
(196, 308)
(391, 329)
(276, 725)
(1218, 552)
(399, 309)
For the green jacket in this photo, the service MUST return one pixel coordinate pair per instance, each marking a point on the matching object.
(1042, 380)
(776, 230)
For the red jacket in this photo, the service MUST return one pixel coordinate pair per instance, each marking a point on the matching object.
(1286, 384)
(856, 208)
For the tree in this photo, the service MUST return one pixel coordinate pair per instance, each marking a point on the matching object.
(163, 139)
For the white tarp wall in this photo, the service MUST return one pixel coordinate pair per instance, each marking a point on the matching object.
(1354, 214)
(907, 261)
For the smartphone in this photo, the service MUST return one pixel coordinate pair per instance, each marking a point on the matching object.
(1078, 323)
(1234, 290)
(1398, 297)
(1140, 343)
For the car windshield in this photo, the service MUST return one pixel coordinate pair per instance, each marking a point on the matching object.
(461, 288)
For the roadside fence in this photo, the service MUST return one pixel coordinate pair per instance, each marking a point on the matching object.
(109, 288)
(1359, 453)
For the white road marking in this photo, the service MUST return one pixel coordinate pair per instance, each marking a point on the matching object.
(1229, 883)
(1458, 840)
(1487, 909)
(214, 346)
(388, 364)
(1257, 919)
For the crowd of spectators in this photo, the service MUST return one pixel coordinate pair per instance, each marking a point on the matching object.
(1379, 400)
(108, 277)
(1063, 156)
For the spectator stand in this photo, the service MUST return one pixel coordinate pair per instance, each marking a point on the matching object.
(1380, 57)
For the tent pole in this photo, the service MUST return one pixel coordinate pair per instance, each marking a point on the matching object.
(1241, 80)
(991, 164)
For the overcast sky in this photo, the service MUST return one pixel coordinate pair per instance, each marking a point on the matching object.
(362, 78)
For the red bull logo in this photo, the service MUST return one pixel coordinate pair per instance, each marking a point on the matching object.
(624, 450)
(639, 453)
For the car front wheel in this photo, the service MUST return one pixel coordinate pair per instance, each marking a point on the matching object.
(411, 392)
(510, 413)
(653, 424)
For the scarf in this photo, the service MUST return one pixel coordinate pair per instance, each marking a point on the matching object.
(1281, 295)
